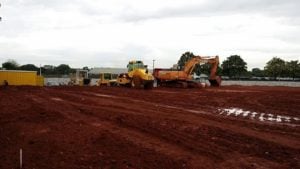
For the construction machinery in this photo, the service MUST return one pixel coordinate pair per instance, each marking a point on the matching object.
(107, 79)
(183, 78)
(137, 76)
(80, 78)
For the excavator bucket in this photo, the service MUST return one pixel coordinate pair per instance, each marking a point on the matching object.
(216, 82)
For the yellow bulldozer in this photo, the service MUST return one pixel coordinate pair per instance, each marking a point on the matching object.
(137, 76)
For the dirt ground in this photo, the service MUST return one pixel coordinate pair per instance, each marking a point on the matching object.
(112, 128)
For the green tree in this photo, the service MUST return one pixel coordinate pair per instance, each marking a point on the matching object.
(256, 72)
(275, 67)
(30, 67)
(293, 69)
(85, 68)
(199, 68)
(184, 58)
(234, 66)
(62, 69)
(204, 68)
(10, 65)
(220, 70)
(72, 70)
(48, 70)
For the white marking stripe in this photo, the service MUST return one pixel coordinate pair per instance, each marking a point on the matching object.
(260, 116)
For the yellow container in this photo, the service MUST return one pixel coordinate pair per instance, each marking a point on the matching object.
(15, 77)
(39, 80)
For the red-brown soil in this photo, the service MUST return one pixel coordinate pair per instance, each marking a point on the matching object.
(111, 128)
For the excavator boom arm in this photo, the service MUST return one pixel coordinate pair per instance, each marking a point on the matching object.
(184, 76)
(214, 61)
(190, 65)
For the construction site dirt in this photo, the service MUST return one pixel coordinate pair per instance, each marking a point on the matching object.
(163, 128)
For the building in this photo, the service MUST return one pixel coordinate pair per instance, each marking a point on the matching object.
(97, 71)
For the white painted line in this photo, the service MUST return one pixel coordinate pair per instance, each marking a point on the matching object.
(278, 119)
(253, 115)
(263, 117)
(246, 113)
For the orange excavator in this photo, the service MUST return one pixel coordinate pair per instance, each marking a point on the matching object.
(183, 78)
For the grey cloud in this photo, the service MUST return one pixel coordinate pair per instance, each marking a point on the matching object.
(287, 8)
(117, 58)
(20, 19)
(76, 57)
(120, 58)
(55, 4)
(271, 50)
(293, 37)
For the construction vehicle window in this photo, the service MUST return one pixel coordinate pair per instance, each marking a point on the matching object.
(137, 65)
(140, 65)
(114, 76)
(107, 76)
(130, 67)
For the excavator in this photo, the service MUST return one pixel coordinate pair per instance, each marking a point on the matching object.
(137, 76)
(183, 78)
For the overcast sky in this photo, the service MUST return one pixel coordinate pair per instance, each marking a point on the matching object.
(98, 33)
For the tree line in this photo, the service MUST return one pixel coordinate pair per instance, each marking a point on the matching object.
(62, 69)
(234, 67)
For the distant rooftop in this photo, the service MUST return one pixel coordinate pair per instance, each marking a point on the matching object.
(107, 70)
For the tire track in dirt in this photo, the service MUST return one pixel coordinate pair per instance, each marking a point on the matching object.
(140, 139)
(167, 111)
(182, 138)
(176, 132)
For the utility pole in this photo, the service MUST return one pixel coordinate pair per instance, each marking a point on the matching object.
(40, 70)
(153, 65)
